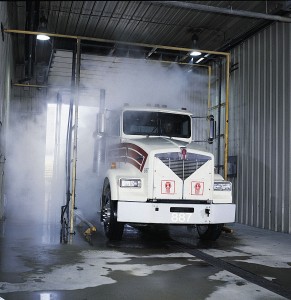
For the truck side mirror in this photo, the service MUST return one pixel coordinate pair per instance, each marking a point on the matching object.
(211, 129)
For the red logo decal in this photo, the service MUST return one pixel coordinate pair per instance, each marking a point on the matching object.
(167, 187)
(197, 188)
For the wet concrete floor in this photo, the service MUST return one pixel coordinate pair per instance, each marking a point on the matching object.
(144, 265)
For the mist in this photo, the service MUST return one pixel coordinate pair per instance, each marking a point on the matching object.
(141, 82)
(36, 147)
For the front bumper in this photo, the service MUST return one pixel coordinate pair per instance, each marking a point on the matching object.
(168, 213)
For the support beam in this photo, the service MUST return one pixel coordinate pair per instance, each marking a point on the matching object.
(226, 54)
(227, 66)
(74, 168)
(92, 39)
(221, 10)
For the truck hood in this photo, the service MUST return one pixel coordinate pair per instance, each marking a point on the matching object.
(156, 144)
(173, 174)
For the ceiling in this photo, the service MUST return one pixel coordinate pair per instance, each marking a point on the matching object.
(168, 23)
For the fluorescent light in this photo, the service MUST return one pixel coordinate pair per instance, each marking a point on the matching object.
(199, 60)
(195, 53)
(42, 37)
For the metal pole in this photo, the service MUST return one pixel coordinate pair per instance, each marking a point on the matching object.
(76, 37)
(209, 86)
(221, 10)
(219, 116)
(30, 85)
(69, 134)
(226, 114)
(74, 170)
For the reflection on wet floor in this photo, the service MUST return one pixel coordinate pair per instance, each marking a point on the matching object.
(35, 265)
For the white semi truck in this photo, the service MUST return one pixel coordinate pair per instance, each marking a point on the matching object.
(156, 174)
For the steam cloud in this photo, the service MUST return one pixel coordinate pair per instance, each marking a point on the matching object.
(35, 173)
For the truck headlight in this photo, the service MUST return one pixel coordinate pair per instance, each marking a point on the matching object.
(222, 186)
(130, 183)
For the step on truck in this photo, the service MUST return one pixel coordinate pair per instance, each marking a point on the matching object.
(154, 173)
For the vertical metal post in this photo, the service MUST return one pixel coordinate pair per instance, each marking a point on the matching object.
(226, 114)
(219, 117)
(69, 134)
(74, 167)
(209, 87)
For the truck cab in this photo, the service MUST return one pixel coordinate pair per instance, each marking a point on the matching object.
(155, 174)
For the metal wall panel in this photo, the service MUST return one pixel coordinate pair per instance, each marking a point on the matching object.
(259, 124)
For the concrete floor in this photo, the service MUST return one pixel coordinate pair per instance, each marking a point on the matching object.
(35, 265)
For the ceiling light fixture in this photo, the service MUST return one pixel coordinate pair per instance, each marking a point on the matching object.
(42, 28)
(42, 37)
(199, 60)
(195, 52)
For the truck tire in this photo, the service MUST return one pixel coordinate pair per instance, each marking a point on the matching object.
(209, 232)
(113, 229)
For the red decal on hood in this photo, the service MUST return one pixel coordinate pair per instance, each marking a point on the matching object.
(131, 153)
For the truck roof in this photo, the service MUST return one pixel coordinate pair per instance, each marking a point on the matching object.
(157, 109)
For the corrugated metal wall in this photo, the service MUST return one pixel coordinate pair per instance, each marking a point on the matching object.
(259, 124)
(6, 67)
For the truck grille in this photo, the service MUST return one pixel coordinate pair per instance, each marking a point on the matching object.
(183, 168)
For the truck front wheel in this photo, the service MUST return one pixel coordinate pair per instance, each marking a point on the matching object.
(113, 229)
(209, 232)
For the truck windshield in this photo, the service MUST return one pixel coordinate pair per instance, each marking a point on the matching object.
(156, 123)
